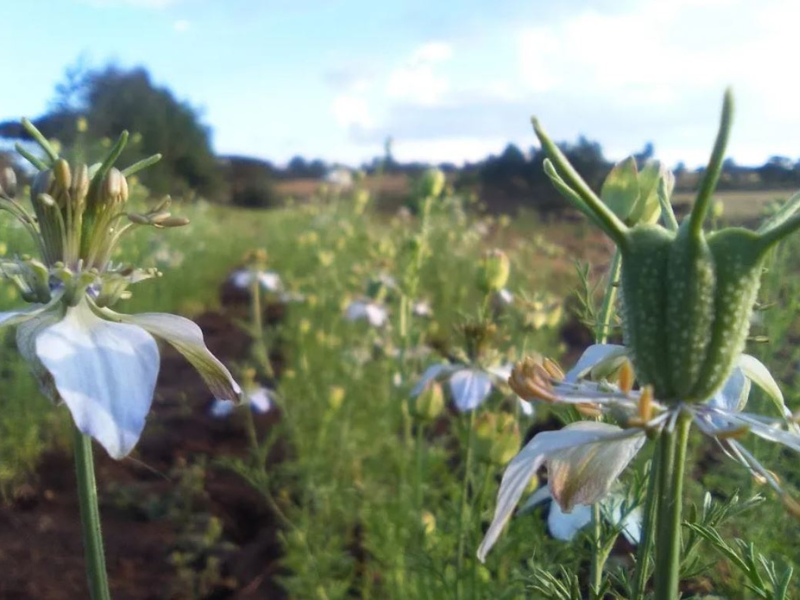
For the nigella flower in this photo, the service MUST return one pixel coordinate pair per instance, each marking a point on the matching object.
(374, 312)
(565, 526)
(269, 281)
(102, 364)
(259, 399)
(470, 385)
(585, 458)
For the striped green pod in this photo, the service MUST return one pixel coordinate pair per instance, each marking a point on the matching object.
(687, 296)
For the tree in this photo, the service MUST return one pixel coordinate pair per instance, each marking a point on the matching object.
(113, 99)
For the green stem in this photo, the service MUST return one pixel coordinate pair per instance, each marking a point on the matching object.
(648, 526)
(90, 518)
(462, 512)
(596, 574)
(261, 350)
(607, 310)
(668, 546)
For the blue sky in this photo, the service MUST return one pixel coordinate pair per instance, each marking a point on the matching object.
(451, 80)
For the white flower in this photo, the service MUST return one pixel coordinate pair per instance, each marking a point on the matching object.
(469, 385)
(564, 526)
(373, 312)
(268, 280)
(258, 399)
(103, 365)
(585, 458)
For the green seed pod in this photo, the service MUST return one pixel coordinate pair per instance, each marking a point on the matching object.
(687, 296)
(431, 184)
(429, 404)
(493, 271)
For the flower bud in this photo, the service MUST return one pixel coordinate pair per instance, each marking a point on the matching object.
(42, 183)
(336, 395)
(173, 222)
(497, 438)
(431, 184)
(429, 404)
(80, 183)
(493, 271)
(63, 174)
(8, 182)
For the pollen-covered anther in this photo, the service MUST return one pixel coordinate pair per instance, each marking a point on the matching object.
(554, 369)
(530, 380)
(645, 402)
(626, 377)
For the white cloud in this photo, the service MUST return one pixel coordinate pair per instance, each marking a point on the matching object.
(456, 149)
(154, 4)
(351, 110)
(181, 25)
(417, 80)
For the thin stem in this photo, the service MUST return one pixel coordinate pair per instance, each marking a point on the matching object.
(596, 574)
(668, 546)
(462, 512)
(607, 310)
(90, 518)
(648, 526)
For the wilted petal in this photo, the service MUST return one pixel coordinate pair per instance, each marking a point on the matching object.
(105, 373)
(186, 338)
(564, 526)
(593, 356)
(584, 474)
(756, 372)
(470, 387)
(524, 466)
(431, 373)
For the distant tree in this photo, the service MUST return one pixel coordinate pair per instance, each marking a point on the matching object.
(113, 99)
(645, 154)
(251, 182)
(777, 172)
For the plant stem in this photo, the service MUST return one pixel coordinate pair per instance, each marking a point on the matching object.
(464, 502)
(601, 337)
(90, 518)
(668, 543)
(648, 525)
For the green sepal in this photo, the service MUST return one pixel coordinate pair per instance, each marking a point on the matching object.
(620, 191)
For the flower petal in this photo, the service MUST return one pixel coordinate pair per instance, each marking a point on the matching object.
(431, 373)
(470, 387)
(376, 314)
(542, 494)
(564, 526)
(630, 524)
(733, 395)
(756, 372)
(27, 332)
(186, 338)
(526, 407)
(105, 373)
(584, 474)
(591, 357)
(221, 409)
(260, 400)
(518, 474)
(502, 372)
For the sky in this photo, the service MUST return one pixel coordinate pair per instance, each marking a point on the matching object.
(449, 81)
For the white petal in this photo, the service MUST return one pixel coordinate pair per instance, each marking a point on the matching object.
(756, 372)
(518, 474)
(376, 314)
(270, 281)
(470, 387)
(564, 526)
(356, 310)
(591, 357)
(186, 338)
(27, 332)
(243, 278)
(733, 395)
(526, 407)
(260, 400)
(221, 409)
(105, 373)
(584, 474)
(431, 373)
(502, 372)
(631, 525)
(505, 296)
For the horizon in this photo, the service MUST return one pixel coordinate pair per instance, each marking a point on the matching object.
(447, 83)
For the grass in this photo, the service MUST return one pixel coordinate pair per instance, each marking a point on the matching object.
(372, 496)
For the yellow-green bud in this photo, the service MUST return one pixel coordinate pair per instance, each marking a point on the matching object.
(8, 182)
(173, 222)
(428, 521)
(429, 404)
(336, 395)
(80, 182)
(497, 438)
(63, 174)
(493, 271)
(432, 183)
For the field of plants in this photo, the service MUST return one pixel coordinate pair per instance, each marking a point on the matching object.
(357, 468)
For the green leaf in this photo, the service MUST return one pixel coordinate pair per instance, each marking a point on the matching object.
(756, 372)
(648, 208)
(620, 190)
